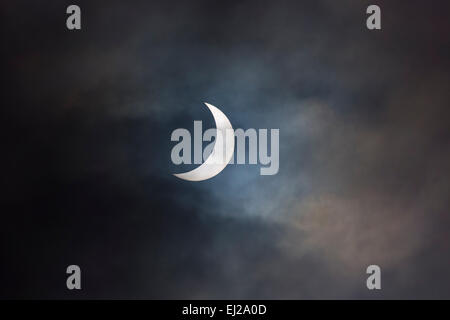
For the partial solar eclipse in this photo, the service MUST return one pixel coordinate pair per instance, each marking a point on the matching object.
(222, 152)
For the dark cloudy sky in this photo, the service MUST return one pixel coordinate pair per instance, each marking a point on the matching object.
(364, 149)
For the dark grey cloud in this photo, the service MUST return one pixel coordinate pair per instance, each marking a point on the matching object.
(364, 152)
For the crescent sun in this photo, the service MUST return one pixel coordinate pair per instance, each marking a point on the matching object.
(217, 160)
